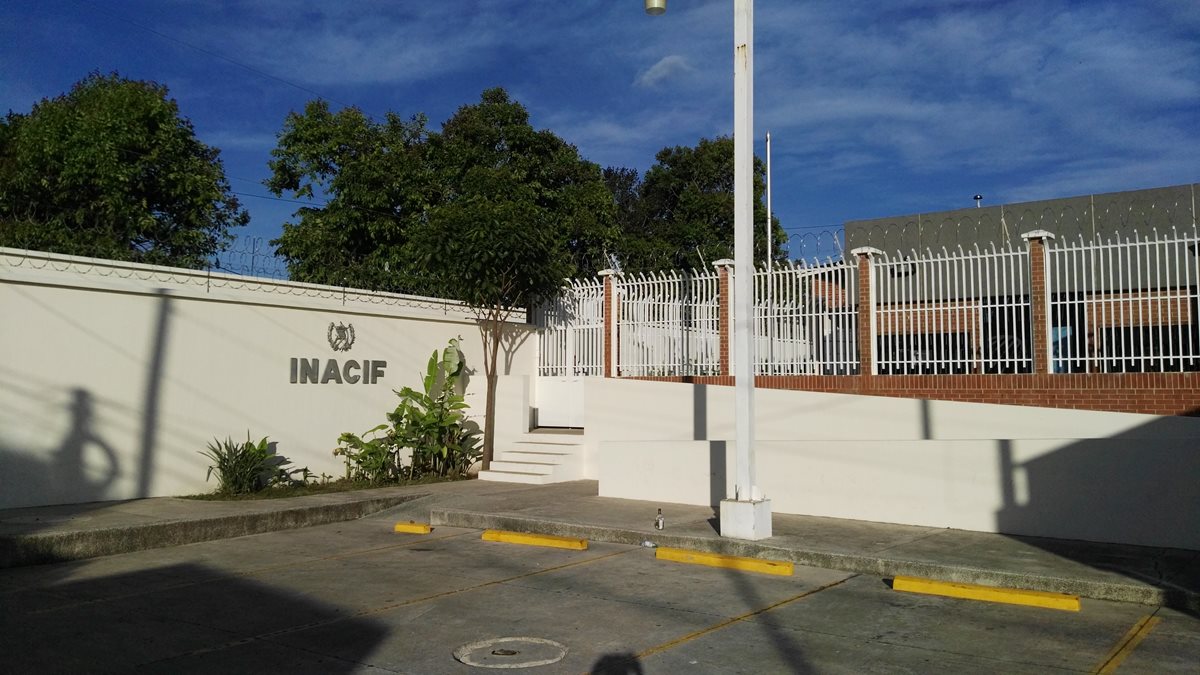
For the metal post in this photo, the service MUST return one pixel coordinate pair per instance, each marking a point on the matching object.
(770, 270)
(747, 515)
(743, 255)
(770, 233)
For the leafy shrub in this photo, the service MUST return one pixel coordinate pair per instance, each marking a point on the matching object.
(372, 457)
(243, 468)
(431, 423)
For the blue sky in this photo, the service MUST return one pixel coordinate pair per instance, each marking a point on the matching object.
(875, 108)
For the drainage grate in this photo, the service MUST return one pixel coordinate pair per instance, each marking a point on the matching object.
(511, 652)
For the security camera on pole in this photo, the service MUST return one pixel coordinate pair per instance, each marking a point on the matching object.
(747, 513)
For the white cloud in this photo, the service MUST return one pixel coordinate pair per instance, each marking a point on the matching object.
(986, 88)
(632, 140)
(902, 101)
(340, 44)
(1088, 176)
(666, 68)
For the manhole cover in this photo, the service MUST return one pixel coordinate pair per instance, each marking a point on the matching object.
(511, 652)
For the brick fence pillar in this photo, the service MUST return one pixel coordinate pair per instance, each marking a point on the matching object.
(867, 329)
(1039, 300)
(725, 313)
(610, 323)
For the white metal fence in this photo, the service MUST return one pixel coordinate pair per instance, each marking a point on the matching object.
(1125, 304)
(669, 324)
(572, 340)
(962, 312)
(805, 319)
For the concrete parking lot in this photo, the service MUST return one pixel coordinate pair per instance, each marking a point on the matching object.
(356, 597)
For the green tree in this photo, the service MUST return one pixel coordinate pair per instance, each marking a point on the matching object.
(380, 180)
(680, 214)
(377, 183)
(495, 133)
(517, 213)
(112, 170)
(488, 210)
(625, 186)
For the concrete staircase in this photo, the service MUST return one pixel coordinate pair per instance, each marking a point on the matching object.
(539, 456)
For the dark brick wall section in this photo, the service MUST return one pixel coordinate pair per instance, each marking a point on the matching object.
(725, 317)
(1149, 393)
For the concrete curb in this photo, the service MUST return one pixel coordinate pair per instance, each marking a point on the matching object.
(49, 547)
(876, 565)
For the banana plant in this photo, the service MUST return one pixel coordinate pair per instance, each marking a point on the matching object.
(431, 422)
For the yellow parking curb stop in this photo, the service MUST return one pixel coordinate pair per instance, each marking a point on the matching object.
(1012, 596)
(551, 540)
(726, 561)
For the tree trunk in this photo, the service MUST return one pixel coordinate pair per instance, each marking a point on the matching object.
(491, 350)
(489, 424)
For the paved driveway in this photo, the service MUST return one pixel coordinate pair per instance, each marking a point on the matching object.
(355, 597)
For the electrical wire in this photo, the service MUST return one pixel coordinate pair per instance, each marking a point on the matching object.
(291, 201)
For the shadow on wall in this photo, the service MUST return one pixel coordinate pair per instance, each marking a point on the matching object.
(82, 468)
(716, 452)
(700, 415)
(1139, 487)
(717, 473)
(85, 466)
(159, 339)
(180, 617)
(513, 339)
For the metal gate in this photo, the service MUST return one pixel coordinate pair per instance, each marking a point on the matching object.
(570, 347)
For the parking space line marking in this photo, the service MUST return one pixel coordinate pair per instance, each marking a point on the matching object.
(1127, 644)
(528, 539)
(657, 649)
(412, 528)
(1011, 596)
(731, 562)
(388, 608)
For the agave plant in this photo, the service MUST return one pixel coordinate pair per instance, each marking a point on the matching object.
(242, 468)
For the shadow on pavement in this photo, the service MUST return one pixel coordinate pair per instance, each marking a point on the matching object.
(617, 664)
(177, 618)
(782, 640)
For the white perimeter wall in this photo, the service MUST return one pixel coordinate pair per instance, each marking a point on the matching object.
(1099, 476)
(114, 376)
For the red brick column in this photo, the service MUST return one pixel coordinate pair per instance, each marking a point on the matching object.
(1039, 299)
(725, 313)
(610, 323)
(866, 311)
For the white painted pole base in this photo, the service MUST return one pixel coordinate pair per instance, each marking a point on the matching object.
(746, 520)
